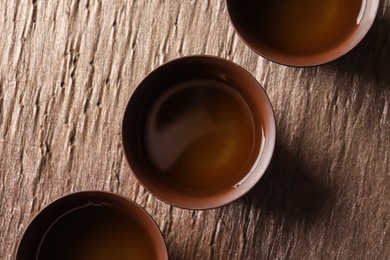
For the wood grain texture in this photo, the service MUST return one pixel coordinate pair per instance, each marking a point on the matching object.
(68, 67)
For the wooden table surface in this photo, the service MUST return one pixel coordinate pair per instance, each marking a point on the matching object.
(68, 67)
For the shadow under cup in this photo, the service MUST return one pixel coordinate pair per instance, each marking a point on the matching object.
(199, 132)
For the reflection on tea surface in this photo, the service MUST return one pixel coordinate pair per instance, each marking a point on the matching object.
(201, 134)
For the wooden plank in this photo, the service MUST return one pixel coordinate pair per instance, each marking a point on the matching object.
(68, 68)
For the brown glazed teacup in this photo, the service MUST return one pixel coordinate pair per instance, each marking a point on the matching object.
(92, 225)
(302, 33)
(198, 132)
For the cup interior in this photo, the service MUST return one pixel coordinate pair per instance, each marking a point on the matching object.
(248, 28)
(160, 81)
(51, 219)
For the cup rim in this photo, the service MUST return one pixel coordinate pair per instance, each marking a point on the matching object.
(222, 199)
(351, 41)
(160, 242)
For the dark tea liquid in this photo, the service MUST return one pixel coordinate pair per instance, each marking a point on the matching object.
(300, 27)
(200, 135)
(96, 233)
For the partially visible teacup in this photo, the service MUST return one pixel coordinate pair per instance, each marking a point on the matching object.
(92, 225)
(302, 32)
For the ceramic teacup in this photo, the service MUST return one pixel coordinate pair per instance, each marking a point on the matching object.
(92, 225)
(199, 132)
(303, 32)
